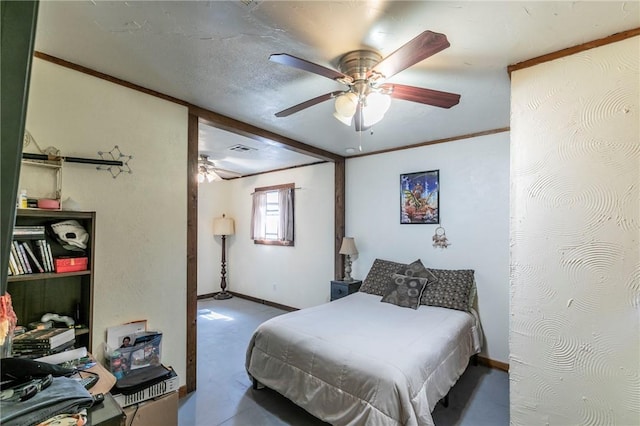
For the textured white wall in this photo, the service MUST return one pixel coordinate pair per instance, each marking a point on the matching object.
(575, 269)
(296, 276)
(474, 202)
(140, 270)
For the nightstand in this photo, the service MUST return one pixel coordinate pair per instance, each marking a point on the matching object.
(343, 288)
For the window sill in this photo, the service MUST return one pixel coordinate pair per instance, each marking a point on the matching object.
(274, 243)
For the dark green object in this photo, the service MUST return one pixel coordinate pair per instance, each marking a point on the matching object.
(18, 37)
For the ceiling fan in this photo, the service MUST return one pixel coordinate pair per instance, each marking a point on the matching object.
(207, 171)
(365, 72)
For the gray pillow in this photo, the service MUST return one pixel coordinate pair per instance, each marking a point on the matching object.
(453, 289)
(379, 277)
(405, 291)
(417, 269)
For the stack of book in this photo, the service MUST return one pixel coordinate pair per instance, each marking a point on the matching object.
(39, 343)
(30, 251)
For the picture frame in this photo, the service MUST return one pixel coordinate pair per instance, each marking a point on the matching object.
(420, 197)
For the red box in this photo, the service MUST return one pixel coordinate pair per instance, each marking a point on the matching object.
(71, 264)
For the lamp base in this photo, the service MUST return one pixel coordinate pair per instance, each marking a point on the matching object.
(347, 270)
(223, 295)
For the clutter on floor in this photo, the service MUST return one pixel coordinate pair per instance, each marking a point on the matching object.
(44, 386)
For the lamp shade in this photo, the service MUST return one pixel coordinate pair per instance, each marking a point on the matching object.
(223, 226)
(344, 120)
(348, 246)
(346, 104)
(377, 106)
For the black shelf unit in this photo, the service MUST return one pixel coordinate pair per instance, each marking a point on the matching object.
(68, 293)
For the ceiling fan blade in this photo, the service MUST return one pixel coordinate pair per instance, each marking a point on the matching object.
(306, 104)
(423, 96)
(424, 45)
(302, 64)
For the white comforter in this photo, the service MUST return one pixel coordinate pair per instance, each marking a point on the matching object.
(358, 361)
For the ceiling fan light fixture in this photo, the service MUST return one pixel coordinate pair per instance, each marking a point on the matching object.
(346, 104)
(377, 105)
(206, 170)
(379, 102)
(344, 120)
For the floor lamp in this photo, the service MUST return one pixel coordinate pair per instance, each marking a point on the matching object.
(223, 226)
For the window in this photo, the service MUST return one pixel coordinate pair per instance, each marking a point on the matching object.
(272, 215)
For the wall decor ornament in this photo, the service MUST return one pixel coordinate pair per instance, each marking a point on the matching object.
(112, 158)
(440, 238)
(420, 197)
(114, 161)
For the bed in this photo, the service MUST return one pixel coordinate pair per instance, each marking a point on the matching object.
(359, 361)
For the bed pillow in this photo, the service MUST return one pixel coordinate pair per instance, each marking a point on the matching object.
(379, 277)
(405, 291)
(417, 269)
(453, 289)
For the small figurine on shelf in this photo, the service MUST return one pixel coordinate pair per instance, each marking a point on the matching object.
(22, 199)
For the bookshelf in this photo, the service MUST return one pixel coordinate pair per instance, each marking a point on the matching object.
(67, 293)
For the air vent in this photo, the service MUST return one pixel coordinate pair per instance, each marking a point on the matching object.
(241, 148)
(250, 4)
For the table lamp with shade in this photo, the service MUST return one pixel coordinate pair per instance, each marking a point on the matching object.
(349, 249)
(223, 226)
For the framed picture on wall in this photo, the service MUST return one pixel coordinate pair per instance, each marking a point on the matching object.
(420, 197)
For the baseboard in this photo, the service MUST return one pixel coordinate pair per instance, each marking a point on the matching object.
(206, 296)
(491, 363)
(264, 302)
(253, 299)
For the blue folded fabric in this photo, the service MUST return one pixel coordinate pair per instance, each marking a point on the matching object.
(65, 395)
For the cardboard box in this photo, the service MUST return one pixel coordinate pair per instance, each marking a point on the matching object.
(70, 264)
(159, 411)
(109, 413)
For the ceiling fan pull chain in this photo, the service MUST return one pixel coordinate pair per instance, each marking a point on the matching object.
(360, 133)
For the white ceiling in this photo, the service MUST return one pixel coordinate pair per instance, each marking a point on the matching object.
(216, 55)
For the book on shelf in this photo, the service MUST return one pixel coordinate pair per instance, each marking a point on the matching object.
(42, 347)
(16, 259)
(23, 253)
(41, 351)
(32, 256)
(51, 337)
(49, 255)
(13, 266)
(20, 255)
(42, 251)
(28, 232)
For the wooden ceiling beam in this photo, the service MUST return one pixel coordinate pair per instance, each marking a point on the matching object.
(252, 132)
